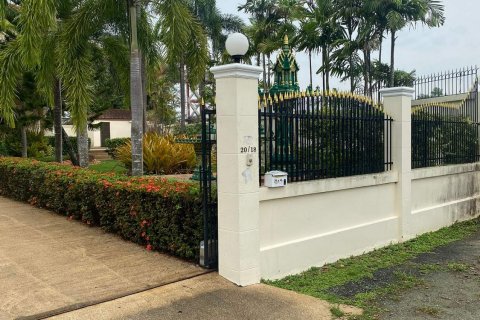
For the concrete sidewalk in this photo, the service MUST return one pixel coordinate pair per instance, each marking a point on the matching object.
(210, 297)
(50, 266)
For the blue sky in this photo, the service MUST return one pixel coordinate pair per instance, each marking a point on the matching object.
(455, 45)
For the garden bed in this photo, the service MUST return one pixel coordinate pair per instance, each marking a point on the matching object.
(159, 213)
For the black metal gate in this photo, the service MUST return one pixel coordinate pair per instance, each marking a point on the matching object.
(208, 187)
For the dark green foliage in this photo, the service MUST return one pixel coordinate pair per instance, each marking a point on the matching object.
(113, 144)
(73, 143)
(348, 145)
(442, 139)
(160, 214)
(12, 145)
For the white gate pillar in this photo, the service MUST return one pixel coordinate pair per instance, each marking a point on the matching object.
(398, 104)
(238, 172)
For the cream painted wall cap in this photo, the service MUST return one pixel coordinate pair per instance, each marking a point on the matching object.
(397, 91)
(236, 70)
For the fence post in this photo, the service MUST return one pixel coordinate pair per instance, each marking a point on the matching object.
(398, 104)
(238, 170)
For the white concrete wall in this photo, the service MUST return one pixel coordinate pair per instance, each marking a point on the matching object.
(442, 196)
(312, 223)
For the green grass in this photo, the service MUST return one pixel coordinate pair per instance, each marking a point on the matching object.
(109, 166)
(457, 267)
(336, 312)
(316, 282)
(431, 311)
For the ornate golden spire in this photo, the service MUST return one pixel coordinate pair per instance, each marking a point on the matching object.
(285, 40)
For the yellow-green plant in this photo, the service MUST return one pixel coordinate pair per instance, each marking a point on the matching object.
(161, 155)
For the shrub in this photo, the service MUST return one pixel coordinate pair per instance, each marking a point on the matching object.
(161, 155)
(73, 143)
(3, 149)
(113, 144)
(158, 213)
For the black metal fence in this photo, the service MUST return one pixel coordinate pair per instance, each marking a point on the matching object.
(209, 245)
(445, 83)
(318, 136)
(446, 133)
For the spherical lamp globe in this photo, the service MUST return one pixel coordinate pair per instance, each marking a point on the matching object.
(237, 46)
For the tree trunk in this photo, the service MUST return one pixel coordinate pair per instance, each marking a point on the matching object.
(352, 79)
(269, 82)
(365, 72)
(144, 74)
(144, 91)
(350, 58)
(392, 61)
(136, 98)
(310, 66)
(69, 148)
(326, 63)
(380, 50)
(183, 100)
(23, 130)
(323, 73)
(265, 85)
(57, 115)
(82, 144)
(370, 78)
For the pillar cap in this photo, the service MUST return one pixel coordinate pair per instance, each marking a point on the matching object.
(236, 70)
(397, 92)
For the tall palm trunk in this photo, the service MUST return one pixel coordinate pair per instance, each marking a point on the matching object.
(144, 74)
(265, 85)
(310, 66)
(365, 72)
(82, 143)
(350, 59)
(57, 115)
(392, 61)
(136, 97)
(269, 83)
(144, 91)
(183, 99)
(326, 68)
(23, 130)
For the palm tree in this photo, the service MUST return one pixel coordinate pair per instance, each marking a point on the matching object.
(409, 12)
(322, 13)
(36, 44)
(308, 40)
(270, 22)
(180, 37)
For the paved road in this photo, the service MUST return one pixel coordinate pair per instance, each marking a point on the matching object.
(50, 266)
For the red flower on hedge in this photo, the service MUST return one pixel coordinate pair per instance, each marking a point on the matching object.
(149, 247)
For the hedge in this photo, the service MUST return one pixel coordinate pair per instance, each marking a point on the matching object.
(113, 144)
(161, 214)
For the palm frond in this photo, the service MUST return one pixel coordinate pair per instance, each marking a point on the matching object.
(36, 18)
(10, 73)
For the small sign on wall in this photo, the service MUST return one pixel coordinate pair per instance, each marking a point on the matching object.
(276, 179)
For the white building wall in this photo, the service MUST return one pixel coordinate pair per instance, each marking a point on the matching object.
(118, 129)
